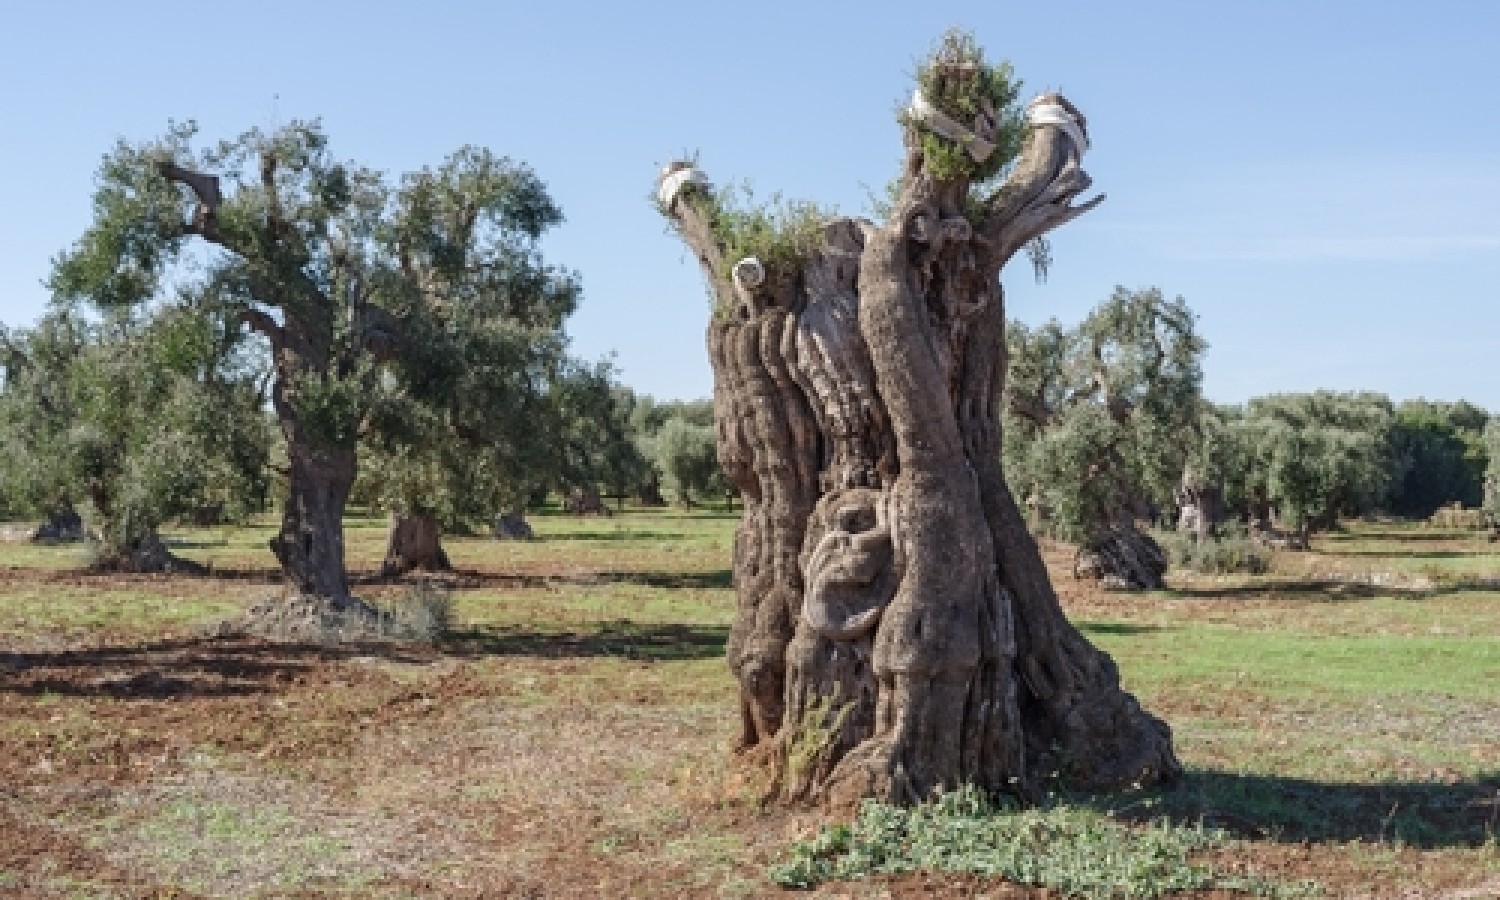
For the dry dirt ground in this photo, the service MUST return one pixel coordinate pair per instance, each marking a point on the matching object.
(571, 737)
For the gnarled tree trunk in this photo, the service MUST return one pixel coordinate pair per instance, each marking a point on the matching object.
(415, 543)
(1123, 558)
(897, 632)
(63, 524)
(512, 526)
(310, 543)
(1200, 509)
(146, 554)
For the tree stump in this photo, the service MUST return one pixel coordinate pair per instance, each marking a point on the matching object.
(897, 633)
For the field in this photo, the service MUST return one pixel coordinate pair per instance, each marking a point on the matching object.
(1339, 719)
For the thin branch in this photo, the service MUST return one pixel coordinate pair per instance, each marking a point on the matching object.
(694, 228)
(261, 321)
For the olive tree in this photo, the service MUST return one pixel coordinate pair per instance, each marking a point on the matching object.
(1314, 457)
(1492, 473)
(1098, 422)
(142, 419)
(354, 283)
(686, 454)
(897, 632)
(1440, 456)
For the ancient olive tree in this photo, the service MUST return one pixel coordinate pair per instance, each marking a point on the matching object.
(1098, 421)
(353, 282)
(532, 419)
(897, 633)
(139, 419)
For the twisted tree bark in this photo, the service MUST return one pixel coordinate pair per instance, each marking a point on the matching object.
(897, 632)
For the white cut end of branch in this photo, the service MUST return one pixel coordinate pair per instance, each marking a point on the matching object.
(748, 274)
(938, 122)
(672, 184)
(1046, 112)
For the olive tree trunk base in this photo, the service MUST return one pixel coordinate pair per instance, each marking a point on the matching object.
(149, 555)
(294, 617)
(415, 543)
(1123, 559)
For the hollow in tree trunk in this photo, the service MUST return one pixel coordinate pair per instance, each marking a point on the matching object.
(897, 632)
(415, 543)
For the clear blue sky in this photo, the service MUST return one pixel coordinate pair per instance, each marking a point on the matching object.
(1321, 181)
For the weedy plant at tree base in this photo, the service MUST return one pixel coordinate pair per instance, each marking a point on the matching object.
(1079, 852)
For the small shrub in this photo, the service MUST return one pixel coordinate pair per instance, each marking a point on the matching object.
(1079, 852)
(1233, 551)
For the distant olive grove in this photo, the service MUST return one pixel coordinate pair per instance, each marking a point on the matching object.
(1107, 430)
(141, 419)
(255, 325)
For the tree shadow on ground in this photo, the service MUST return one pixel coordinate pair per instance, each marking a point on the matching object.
(702, 580)
(1403, 537)
(621, 534)
(1465, 813)
(205, 667)
(660, 642)
(1332, 591)
(181, 668)
(1119, 628)
(468, 579)
(1410, 554)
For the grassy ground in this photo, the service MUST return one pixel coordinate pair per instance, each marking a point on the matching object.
(1339, 719)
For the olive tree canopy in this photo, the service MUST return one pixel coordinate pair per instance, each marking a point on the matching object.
(362, 287)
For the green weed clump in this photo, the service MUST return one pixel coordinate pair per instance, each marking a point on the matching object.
(957, 80)
(781, 233)
(1076, 851)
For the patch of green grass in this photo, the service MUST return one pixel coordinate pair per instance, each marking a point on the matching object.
(82, 610)
(1297, 665)
(1076, 851)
